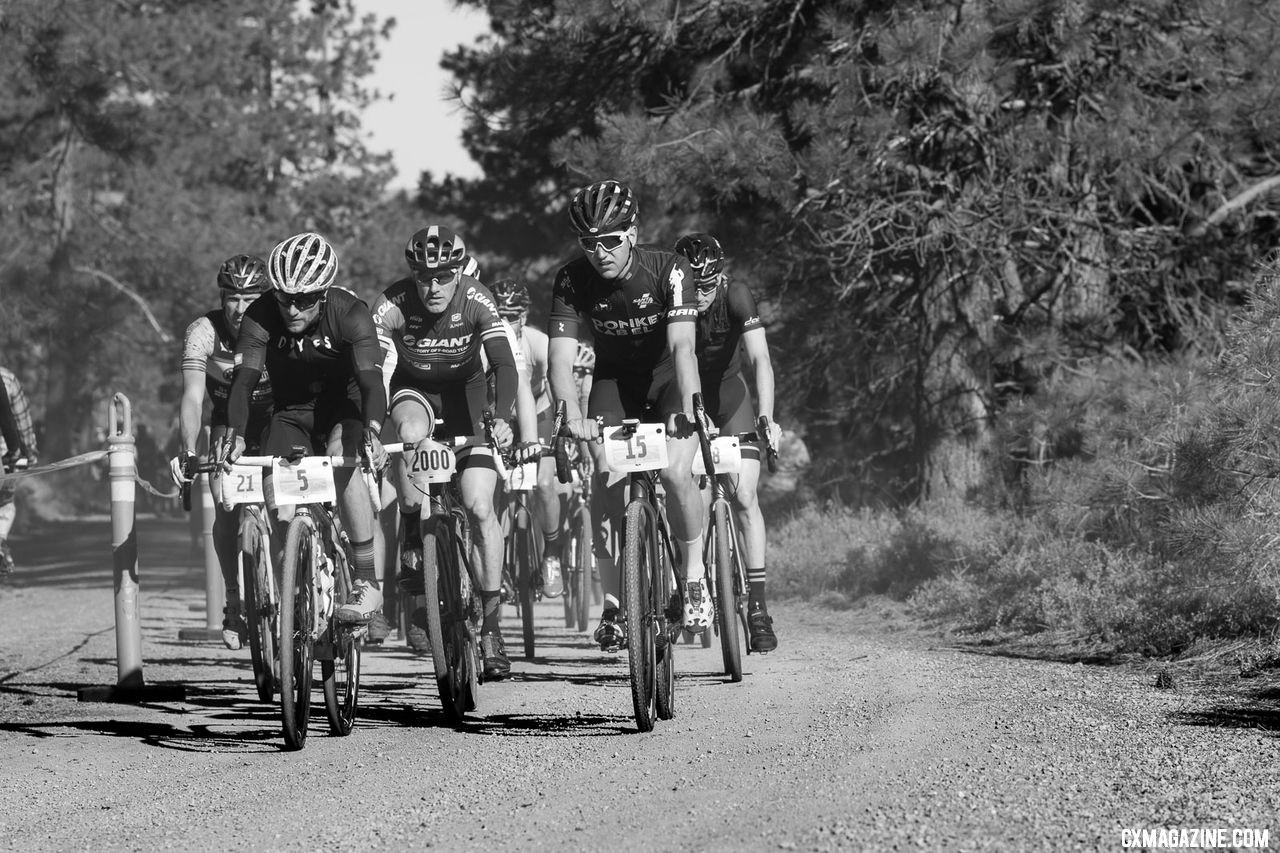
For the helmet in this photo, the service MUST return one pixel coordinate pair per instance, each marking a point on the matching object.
(471, 267)
(511, 295)
(603, 207)
(435, 248)
(243, 274)
(304, 263)
(704, 254)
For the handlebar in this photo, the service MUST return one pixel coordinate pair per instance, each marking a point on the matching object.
(704, 437)
(764, 434)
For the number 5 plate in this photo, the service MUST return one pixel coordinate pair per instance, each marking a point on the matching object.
(643, 450)
(309, 481)
(725, 455)
(241, 485)
(431, 462)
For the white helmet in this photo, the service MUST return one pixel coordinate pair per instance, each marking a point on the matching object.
(304, 263)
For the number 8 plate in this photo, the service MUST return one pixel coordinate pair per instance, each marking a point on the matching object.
(725, 455)
(643, 450)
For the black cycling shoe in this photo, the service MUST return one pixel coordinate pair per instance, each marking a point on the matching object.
(409, 578)
(379, 629)
(496, 663)
(610, 633)
(416, 632)
(760, 625)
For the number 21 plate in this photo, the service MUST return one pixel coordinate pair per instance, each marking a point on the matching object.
(241, 485)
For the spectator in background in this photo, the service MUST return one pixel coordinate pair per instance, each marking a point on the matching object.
(15, 401)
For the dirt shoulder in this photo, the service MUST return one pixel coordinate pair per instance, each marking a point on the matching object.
(859, 733)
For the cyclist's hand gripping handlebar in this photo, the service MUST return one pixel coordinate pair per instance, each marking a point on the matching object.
(765, 429)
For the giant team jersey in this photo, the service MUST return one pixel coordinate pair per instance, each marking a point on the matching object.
(319, 363)
(209, 348)
(629, 314)
(720, 331)
(435, 351)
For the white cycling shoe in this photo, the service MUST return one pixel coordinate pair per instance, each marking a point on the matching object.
(697, 606)
(365, 600)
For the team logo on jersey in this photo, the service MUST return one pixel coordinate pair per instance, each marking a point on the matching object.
(676, 277)
(602, 306)
(456, 318)
(644, 300)
(633, 326)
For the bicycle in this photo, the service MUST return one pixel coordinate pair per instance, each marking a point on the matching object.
(579, 562)
(724, 549)
(315, 580)
(522, 548)
(453, 612)
(259, 593)
(648, 564)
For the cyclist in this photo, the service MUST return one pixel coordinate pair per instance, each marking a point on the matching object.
(318, 344)
(19, 443)
(432, 327)
(208, 353)
(531, 355)
(727, 317)
(639, 302)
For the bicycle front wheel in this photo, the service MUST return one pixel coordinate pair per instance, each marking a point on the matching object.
(453, 645)
(664, 699)
(637, 570)
(726, 596)
(526, 576)
(297, 625)
(260, 614)
(580, 542)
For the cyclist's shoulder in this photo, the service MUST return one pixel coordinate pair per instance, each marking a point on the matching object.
(575, 271)
(476, 297)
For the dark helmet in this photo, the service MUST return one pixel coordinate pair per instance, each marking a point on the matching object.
(512, 296)
(704, 254)
(603, 207)
(435, 248)
(243, 274)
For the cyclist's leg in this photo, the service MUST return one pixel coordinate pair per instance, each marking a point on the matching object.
(685, 509)
(226, 529)
(413, 419)
(607, 501)
(355, 507)
(549, 499)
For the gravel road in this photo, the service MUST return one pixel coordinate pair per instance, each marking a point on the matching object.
(861, 732)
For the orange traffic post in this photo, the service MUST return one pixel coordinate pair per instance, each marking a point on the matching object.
(215, 592)
(130, 685)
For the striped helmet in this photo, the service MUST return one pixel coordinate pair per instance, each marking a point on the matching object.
(243, 274)
(704, 254)
(435, 248)
(304, 263)
(603, 207)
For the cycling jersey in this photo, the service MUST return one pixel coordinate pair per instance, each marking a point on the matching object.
(335, 365)
(209, 347)
(531, 359)
(434, 352)
(629, 314)
(720, 329)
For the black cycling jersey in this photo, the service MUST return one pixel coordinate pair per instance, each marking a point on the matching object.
(336, 361)
(629, 314)
(720, 329)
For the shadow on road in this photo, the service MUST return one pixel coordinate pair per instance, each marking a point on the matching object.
(523, 725)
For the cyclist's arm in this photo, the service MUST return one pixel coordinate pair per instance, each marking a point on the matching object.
(366, 362)
(560, 354)
(682, 330)
(506, 381)
(197, 346)
(756, 349)
(526, 412)
(388, 322)
(250, 359)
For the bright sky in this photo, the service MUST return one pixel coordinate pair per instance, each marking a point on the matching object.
(420, 125)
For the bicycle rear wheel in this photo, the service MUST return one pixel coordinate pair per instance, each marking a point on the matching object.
(637, 570)
(726, 597)
(340, 673)
(260, 614)
(453, 644)
(526, 575)
(297, 623)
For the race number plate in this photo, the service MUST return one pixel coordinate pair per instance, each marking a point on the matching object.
(431, 462)
(725, 455)
(241, 485)
(643, 450)
(523, 477)
(309, 481)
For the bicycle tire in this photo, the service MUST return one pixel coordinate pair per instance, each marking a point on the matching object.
(446, 615)
(637, 571)
(340, 674)
(664, 700)
(526, 575)
(726, 598)
(582, 586)
(262, 641)
(296, 620)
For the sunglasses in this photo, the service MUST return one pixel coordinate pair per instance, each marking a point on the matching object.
(444, 275)
(608, 242)
(301, 301)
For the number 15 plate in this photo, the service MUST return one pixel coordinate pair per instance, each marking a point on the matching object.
(643, 450)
